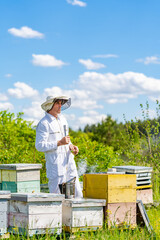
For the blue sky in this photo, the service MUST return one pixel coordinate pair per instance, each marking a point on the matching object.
(104, 54)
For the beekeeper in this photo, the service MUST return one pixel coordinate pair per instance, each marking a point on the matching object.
(52, 138)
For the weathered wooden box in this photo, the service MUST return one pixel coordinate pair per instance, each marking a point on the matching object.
(115, 188)
(120, 214)
(20, 177)
(4, 198)
(35, 213)
(82, 214)
(145, 195)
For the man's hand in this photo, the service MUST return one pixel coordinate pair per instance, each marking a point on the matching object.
(74, 149)
(64, 141)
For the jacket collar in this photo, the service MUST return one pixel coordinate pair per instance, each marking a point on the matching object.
(51, 117)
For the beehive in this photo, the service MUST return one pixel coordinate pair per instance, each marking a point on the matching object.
(82, 214)
(35, 213)
(20, 177)
(115, 188)
(4, 198)
(118, 214)
(145, 195)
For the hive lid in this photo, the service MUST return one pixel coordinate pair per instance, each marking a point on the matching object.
(37, 197)
(21, 166)
(5, 194)
(85, 202)
(133, 169)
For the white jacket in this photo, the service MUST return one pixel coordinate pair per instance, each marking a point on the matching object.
(48, 132)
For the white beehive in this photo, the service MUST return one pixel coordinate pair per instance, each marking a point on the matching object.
(35, 213)
(82, 214)
(4, 198)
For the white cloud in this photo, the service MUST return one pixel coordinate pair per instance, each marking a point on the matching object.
(34, 111)
(8, 75)
(6, 106)
(46, 61)
(77, 2)
(90, 65)
(118, 88)
(149, 60)
(3, 97)
(25, 32)
(90, 94)
(106, 56)
(22, 90)
(80, 98)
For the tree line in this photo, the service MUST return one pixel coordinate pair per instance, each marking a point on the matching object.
(101, 145)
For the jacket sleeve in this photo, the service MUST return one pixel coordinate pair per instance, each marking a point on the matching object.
(42, 143)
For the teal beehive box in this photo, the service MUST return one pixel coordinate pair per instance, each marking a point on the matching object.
(20, 177)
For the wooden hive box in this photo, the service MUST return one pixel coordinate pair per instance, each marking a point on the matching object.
(120, 214)
(82, 214)
(115, 188)
(4, 198)
(20, 177)
(35, 213)
(145, 194)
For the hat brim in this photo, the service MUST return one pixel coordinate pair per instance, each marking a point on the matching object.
(49, 103)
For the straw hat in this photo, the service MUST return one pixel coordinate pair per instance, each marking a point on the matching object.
(50, 100)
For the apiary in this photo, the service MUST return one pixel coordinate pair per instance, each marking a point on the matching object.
(143, 181)
(115, 188)
(35, 213)
(82, 214)
(118, 214)
(20, 177)
(4, 198)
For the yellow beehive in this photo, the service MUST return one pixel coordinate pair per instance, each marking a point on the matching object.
(115, 188)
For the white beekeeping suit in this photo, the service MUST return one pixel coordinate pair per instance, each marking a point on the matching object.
(60, 164)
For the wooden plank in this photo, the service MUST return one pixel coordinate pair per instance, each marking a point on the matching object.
(144, 186)
(145, 195)
(91, 216)
(37, 197)
(36, 221)
(28, 186)
(121, 195)
(120, 213)
(122, 181)
(35, 208)
(142, 217)
(3, 220)
(9, 176)
(45, 208)
(18, 207)
(3, 205)
(9, 186)
(28, 175)
(20, 166)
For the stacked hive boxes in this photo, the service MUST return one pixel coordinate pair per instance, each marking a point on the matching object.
(119, 190)
(143, 181)
(82, 214)
(4, 198)
(35, 213)
(20, 177)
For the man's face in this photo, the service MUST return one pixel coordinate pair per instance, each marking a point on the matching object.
(57, 106)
